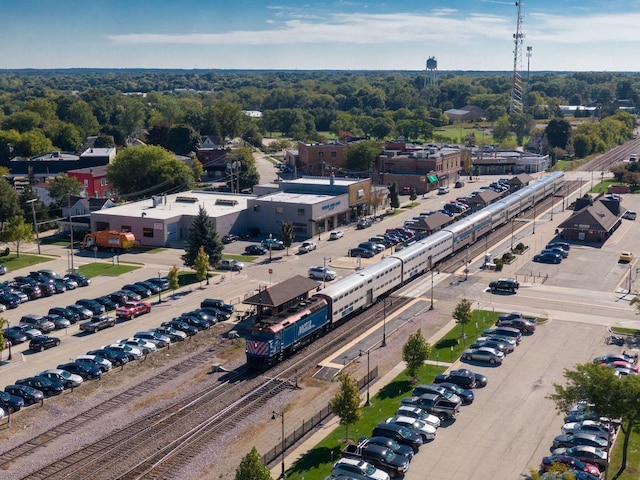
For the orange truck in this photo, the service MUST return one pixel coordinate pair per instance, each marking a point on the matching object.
(109, 240)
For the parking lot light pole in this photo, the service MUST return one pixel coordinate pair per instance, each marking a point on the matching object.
(273, 417)
(160, 289)
(35, 223)
(368, 402)
(384, 323)
(270, 245)
(9, 341)
(324, 270)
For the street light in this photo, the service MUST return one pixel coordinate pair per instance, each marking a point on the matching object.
(512, 233)
(273, 417)
(367, 403)
(270, 245)
(35, 223)
(324, 270)
(9, 341)
(431, 306)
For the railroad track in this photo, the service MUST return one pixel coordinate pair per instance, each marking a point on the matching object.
(160, 443)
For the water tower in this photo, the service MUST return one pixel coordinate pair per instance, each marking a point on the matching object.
(432, 67)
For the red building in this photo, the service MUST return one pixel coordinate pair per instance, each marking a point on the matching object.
(93, 180)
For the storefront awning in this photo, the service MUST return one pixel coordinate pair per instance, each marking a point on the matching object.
(432, 178)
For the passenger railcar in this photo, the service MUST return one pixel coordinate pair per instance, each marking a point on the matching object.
(273, 339)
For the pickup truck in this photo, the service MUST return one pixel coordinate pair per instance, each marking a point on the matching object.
(99, 322)
(307, 247)
(378, 456)
(132, 309)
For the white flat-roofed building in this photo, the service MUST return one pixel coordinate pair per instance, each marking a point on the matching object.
(309, 213)
(165, 219)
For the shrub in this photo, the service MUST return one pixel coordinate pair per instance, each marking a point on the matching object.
(499, 264)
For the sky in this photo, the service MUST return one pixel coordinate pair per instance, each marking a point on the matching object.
(564, 35)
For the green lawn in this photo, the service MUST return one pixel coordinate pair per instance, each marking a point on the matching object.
(14, 263)
(239, 258)
(316, 463)
(98, 268)
(632, 472)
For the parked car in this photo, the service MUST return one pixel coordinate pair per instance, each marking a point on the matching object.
(107, 302)
(587, 426)
(39, 322)
(160, 341)
(46, 386)
(119, 298)
(322, 273)
(506, 284)
(131, 295)
(625, 257)
(505, 332)
(173, 334)
(357, 469)
(83, 312)
(132, 352)
(379, 456)
(467, 396)
(181, 326)
(522, 324)
(41, 343)
(443, 190)
(95, 361)
(133, 309)
(435, 404)
(11, 403)
(213, 313)
(494, 342)
(420, 414)
(395, 447)
(436, 389)
(587, 454)
(217, 303)
(81, 280)
(273, 244)
(361, 252)
(149, 286)
(307, 246)
(255, 249)
(83, 369)
(230, 238)
(29, 331)
(118, 359)
(376, 247)
(564, 245)
(144, 345)
(400, 434)
(14, 335)
(336, 234)
(193, 321)
(162, 283)
(28, 394)
(68, 380)
(426, 431)
(9, 300)
(613, 357)
(144, 292)
(59, 321)
(464, 378)
(548, 257)
(559, 250)
(589, 439)
(483, 354)
(3, 269)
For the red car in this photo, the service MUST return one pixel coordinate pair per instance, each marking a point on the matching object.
(132, 309)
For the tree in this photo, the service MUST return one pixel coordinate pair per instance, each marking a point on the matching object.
(611, 397)
(415, 352)
(558, 132)
(201, 265)
(9, 202)
(141, 171)
(376, 198)
(287, 234)
(3, 323)
(361, 156)
(252, 468)
(249, 175)
(16, 231)
(62, 186)
(346, 402)
(413, 195)
(501, 128)
(462, 314)
(202, 234)
(393, 194)
(174, 278)
(182, 140)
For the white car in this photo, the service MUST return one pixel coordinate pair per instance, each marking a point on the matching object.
(102, 363)
(307, 247)
(336, 234)
(426, 431)
(146, 346)
(322, 273)
(68, 380)
(357, 469)
(419, 414)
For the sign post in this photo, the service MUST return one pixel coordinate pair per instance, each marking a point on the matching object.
(270, 273)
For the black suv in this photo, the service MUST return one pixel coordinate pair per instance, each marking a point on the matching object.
(400, 434)
(42, 342)
(73, 317)
(435, 404)
(506, 284)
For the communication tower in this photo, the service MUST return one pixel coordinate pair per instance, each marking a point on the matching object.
(432, 67)
(516, 104)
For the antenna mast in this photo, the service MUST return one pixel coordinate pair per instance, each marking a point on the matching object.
(516, 104)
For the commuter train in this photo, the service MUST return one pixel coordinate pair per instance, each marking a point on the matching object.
(273, 339)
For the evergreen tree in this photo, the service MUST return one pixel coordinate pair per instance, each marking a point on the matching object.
(394, 200)
(413, 195)
(252, 468)
(202, 233)
(346, 402)
(415, 352)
